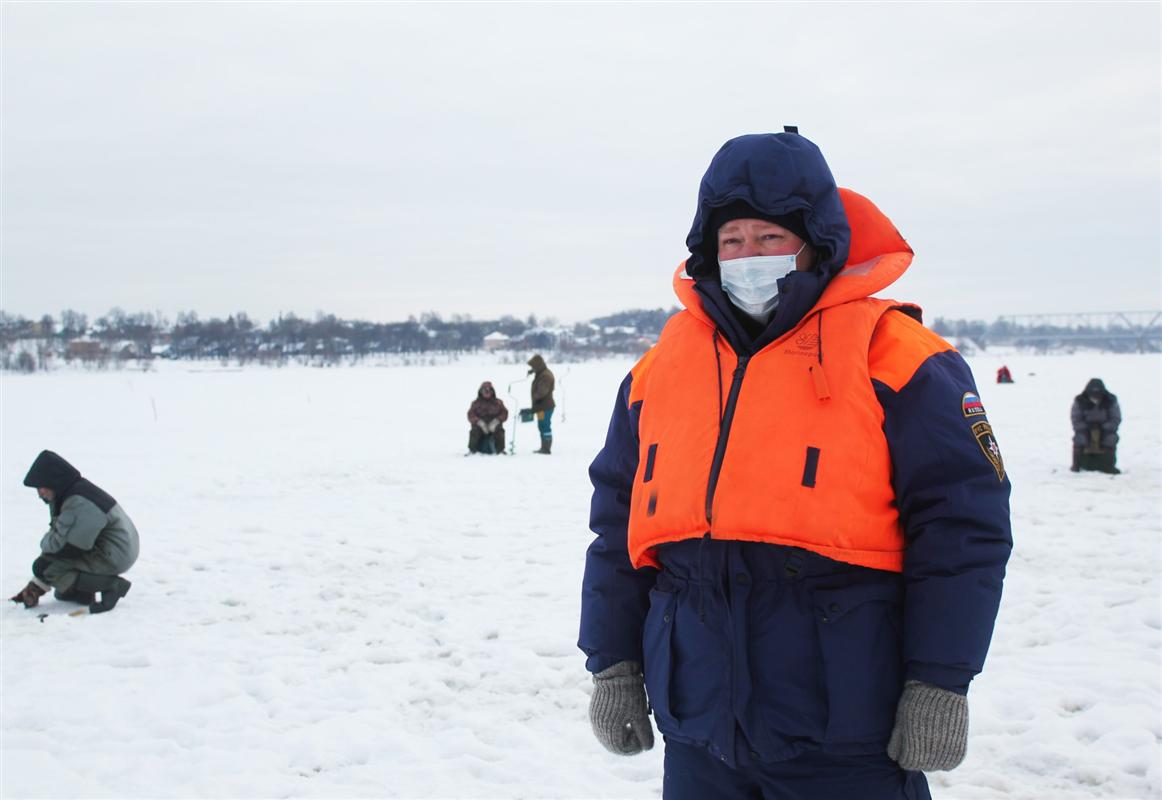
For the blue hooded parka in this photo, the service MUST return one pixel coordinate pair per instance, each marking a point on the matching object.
(759, 651)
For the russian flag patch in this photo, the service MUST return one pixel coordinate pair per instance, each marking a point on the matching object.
(971, 405)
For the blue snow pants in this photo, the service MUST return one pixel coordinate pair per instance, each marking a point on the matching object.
(544, 423)
(692, 773)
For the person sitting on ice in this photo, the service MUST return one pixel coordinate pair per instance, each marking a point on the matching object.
(487, 415)
(1004, 376)
(1095, 416)
(90, 539)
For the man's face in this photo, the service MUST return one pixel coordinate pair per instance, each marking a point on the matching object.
(744, 238)
(45, 494)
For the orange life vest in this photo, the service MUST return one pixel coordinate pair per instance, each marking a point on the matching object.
(796, 430)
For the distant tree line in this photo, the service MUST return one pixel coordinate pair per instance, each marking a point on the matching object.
(1118, 332)
(32, 344)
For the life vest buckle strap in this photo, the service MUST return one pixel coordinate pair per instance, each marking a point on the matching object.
(793, 565)
(811, 467)
(651, 455)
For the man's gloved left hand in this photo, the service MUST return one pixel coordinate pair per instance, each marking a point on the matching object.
(618, 711)
(30, 595)
(493, 424)
(931, 731)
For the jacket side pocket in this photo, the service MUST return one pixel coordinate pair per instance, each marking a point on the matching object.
(859, 637)
(658, 655)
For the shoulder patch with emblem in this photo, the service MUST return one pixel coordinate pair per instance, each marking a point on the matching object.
(971, 405)
(988, 445)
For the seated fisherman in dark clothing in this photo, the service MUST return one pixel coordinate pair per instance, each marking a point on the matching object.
(487, 415)
(1095, 416)
(90, 539)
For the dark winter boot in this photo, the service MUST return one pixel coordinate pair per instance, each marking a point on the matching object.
(1076, 459)
(546, 445)
(30, 595)
(73, 596)
(1109, 461)
(111, 587)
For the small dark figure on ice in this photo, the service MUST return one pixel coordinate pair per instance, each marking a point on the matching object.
(90, 540)
(1096, 416)
(487, 415)
(543, 404)
(1004, 376)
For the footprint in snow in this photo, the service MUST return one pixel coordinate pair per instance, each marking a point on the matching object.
(428, 614)
(1075, 705)
(131, 662)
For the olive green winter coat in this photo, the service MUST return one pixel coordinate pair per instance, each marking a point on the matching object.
(543, 384)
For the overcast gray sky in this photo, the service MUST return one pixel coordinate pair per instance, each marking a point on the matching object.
(380, 160)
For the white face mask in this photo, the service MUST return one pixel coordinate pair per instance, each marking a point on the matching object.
(752, 284)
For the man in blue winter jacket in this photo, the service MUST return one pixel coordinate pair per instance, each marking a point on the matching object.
(801, 509)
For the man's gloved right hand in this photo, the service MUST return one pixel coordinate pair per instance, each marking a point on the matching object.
(618, 710)
(30, 595)
(482, 425)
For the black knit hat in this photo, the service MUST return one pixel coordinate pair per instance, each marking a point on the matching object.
(740, 209)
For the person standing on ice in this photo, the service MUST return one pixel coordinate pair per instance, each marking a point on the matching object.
(1096, 416)
(486, 415)
(90, 539)
(543, 405)
(801, 511)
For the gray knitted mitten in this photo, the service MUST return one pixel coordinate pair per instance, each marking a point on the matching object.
(618, 711)
(931, 730)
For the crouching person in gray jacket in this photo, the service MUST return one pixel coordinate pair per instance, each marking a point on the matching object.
(90, 539)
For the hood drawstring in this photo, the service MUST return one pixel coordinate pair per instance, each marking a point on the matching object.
(702, 578)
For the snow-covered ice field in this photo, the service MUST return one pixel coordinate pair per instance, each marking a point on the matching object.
(332, 602)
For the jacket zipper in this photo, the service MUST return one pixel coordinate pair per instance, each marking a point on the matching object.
(724, 434)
